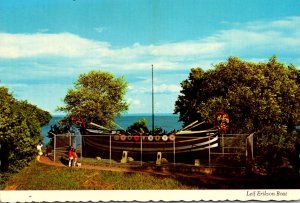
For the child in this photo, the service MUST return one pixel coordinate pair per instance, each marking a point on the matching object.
(75, 157)
(39, 150)
(70, 155)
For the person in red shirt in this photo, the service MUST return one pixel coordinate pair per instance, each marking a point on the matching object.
(71, 156)
(75, 157)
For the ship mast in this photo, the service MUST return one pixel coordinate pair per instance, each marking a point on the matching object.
(152, 104)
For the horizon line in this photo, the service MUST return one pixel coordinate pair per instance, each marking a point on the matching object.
(124, 114)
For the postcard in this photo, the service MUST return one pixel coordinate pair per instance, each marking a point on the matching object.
(118, 100)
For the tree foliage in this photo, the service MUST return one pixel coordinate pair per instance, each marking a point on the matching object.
(139, 126)
(97, 97)
(259, 97)
(20, 130)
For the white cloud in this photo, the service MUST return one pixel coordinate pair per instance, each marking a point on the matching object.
(66, 55)
(253, 38)
(164, 88)
(131, 101)
(263, 39)
(280, 24)
(185, 49)
(145, 88)
(41, 45)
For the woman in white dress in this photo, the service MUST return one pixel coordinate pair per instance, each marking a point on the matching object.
(39, 150)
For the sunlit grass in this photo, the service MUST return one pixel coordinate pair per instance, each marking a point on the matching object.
(38, 176)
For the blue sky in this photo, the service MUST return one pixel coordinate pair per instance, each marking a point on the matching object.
(45, 45)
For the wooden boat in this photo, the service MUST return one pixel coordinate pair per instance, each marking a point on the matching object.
(185, 141)
(181, 142)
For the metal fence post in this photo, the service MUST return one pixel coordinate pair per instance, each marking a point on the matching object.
(223, 144)
(141, 150)
(209, 151)
(81, 147)
(54, 146)
(246, 153)
(174, 152)
(110, 150)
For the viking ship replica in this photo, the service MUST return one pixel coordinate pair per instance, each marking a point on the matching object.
(193, 142)
(183, 141)
(140, 145)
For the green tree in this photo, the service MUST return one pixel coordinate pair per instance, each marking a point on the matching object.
(20, 130)
(139, 126)
(260, 97)
(97, 97)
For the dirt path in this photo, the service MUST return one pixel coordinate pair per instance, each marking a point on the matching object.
(48, 161)
(195, 178)
(185, 175)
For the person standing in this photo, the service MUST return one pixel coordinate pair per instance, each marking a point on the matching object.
(71, 156)
(75, 157)
(39, 150)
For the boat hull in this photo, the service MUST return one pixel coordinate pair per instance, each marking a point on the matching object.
(144, 147)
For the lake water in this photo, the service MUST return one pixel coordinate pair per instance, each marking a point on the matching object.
(167, 122)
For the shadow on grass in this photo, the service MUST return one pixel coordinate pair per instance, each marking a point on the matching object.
(285, 179)
(64, 161)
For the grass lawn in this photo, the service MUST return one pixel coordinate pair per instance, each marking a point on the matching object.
(39, 176)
